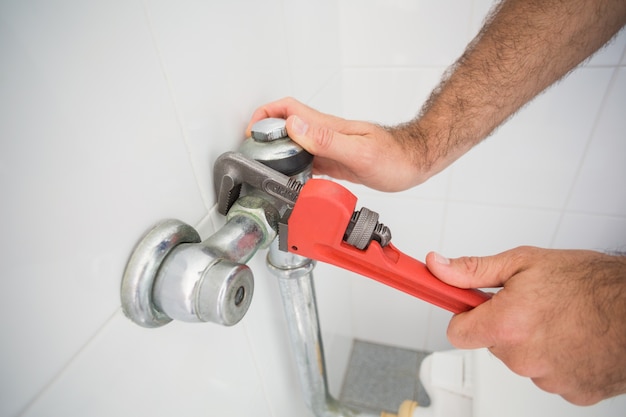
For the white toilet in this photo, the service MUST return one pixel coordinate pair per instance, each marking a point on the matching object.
(477, 384)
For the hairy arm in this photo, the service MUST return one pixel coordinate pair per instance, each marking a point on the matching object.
(523, 47)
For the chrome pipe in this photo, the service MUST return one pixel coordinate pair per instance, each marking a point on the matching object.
(297, 289)
(271, 145)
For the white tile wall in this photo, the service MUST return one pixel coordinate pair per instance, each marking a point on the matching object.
(110, 115)
(598, 187)
(531, 160)
(91, 155)
(378, 33)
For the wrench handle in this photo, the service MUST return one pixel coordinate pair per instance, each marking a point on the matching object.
(316, 228)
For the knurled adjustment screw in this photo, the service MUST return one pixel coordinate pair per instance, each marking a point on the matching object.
(268, 130)
(364, 227)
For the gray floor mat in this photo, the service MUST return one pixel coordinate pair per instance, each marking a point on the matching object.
(381, 377)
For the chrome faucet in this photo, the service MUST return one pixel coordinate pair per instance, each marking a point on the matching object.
(172, 275)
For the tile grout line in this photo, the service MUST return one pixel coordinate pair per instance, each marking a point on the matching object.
(57, 376)
(175, 105)
(325, 83)
(583, 158)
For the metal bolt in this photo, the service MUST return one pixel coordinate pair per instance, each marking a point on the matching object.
(268, 130)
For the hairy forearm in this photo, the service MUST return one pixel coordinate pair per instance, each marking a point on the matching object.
(524, 47)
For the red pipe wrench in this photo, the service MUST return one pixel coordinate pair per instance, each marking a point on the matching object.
(319, 222)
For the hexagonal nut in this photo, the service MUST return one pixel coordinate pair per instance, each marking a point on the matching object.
(261, 211)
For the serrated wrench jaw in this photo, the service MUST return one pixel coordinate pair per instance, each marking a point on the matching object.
(232, 170)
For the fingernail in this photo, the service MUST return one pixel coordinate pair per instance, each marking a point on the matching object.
(440, 259)
(299, 126)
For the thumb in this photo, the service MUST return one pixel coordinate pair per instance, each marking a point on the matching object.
(473, 271)
(475, 328)
(319, 140)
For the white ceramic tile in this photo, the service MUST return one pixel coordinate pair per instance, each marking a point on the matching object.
(179, 369)
(500, 392)
(91, 155)
(585, 231)
(329, 98)
(532, 160)
(600, 184)
(388, 316)
(403, 32)
(388, 95)
(221, 64)
(480, 11)
(436, 338)
(416, 224)
(611, 53)
(480, 230)
(333, 286)
(313, 46)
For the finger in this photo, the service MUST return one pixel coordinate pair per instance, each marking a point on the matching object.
(289, 106)
(476, 272)
(280, 108)
(473, 329)
(323, 141)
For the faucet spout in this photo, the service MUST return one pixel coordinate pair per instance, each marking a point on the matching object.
(172, 275)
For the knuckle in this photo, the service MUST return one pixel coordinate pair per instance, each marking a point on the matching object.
(323, 137)
(550, 385)
(516, 362)
(453, 335)
(582, 398)
(471, 264)
(288, 101)
(522, 254)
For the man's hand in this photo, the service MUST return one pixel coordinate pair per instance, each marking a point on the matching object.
(559, 319)
(359, 152)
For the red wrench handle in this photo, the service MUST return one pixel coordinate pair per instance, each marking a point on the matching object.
(316, 228)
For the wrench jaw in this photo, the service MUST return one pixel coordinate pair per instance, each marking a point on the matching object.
(236, 175)
(233, 173)
(283, 232)
(227, 193)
